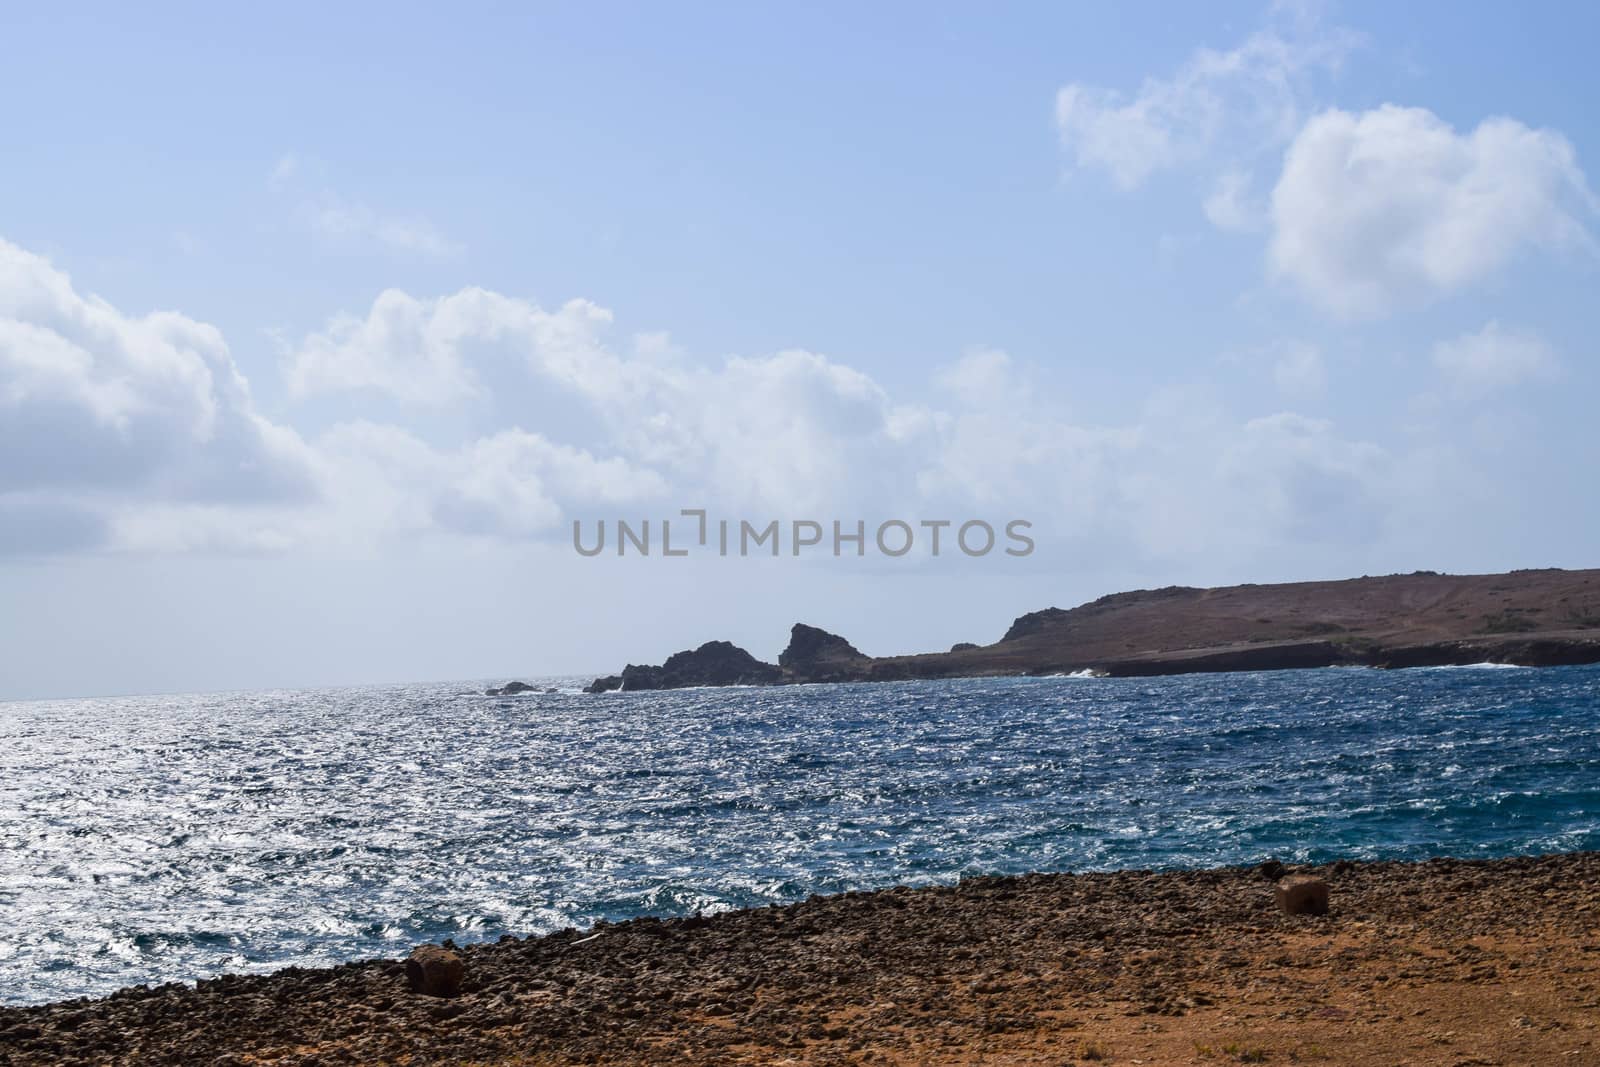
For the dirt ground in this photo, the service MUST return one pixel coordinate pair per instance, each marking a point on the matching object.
(1446, 962)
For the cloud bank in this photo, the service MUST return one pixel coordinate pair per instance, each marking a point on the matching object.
(102, 411)
(138, 434)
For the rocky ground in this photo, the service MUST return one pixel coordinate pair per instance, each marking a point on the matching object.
(1447, 962)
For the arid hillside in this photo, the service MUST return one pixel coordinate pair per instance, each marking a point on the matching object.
(1532, 617)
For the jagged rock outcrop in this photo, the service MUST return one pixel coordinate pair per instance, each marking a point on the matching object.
(713, 663)
(815, 655)
(1035, 622)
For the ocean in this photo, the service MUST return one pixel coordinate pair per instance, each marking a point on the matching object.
(156, 839)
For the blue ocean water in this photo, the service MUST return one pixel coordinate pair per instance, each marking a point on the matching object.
(160, 838)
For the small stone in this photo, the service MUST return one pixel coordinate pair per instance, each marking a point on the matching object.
(1303, 895)
(435, 971)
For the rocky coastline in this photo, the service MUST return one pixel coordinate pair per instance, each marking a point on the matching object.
(1448, 962)
(1533, 618)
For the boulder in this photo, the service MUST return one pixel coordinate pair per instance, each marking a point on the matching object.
(435, 971)
(1302, 895)
(963, 646)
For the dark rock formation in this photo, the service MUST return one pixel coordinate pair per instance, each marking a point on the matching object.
(510, 689)
(963, 646)
(713, 663)
(1035, 622)
(435, 971)
(816, 655)
(1271, 870)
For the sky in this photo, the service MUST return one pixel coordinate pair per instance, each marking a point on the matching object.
(320, 328)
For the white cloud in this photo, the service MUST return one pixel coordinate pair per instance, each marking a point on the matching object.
(1494, 358)
(512, 483)
(1393, 206)
(517, 483)
(1247, 97)
(430, 352)
(791, 429)
(138, 434)
(795, 434)
(99, 409)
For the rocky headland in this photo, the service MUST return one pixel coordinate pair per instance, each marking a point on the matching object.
(1447, 962)
(713, 663)
(1534, 618)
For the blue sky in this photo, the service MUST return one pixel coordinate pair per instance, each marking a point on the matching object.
(318, 328)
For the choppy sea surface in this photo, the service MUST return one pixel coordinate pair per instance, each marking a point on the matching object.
(153, 839)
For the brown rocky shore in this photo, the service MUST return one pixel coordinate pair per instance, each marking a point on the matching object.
(1445, 962)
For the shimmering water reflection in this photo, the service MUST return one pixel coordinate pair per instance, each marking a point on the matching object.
(160, 838)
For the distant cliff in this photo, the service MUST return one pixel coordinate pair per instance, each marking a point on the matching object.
(1534, 618)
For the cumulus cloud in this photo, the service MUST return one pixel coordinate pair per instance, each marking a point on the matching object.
(138, 434)
(1247, 97)
(1494, 357)
(518, 483)
(512, 483)
(1393, 206)
(99, 408)
(1368, 211)
(792, 427)
(431, 352)
(796, 434)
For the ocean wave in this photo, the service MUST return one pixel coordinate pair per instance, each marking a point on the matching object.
(1484, 666)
